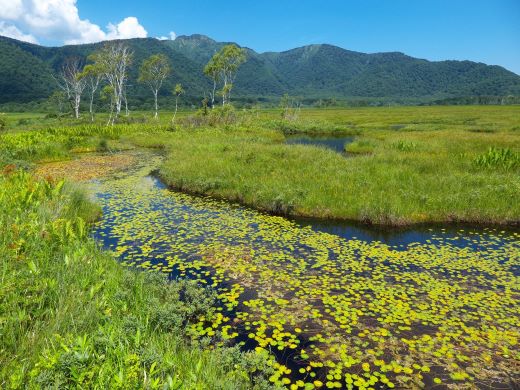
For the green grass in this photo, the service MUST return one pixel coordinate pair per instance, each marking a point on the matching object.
(423, 170)
(72, 317)
(407, 164)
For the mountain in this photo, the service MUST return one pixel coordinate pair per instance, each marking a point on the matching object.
(312, 72)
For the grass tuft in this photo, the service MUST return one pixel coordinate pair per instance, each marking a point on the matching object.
(501, 158)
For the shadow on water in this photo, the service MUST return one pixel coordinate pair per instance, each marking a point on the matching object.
(460, 235)
(400, 237)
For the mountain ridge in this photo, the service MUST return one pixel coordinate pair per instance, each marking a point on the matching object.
(315, 71)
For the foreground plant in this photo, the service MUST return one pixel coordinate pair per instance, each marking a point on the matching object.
(72, 317)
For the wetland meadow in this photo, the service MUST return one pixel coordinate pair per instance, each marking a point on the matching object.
(367, 248)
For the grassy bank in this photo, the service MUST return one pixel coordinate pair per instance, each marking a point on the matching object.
(71, 316)
(442, 165)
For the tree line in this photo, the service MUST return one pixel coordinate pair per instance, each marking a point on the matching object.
(106, 73)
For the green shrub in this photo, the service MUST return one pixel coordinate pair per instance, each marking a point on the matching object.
(404, 146)
(223, 115)
(217, 116)
(502, 158)
(363, 146)
(3, 124)
(103, 145)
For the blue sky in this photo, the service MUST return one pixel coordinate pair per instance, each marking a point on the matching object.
(479, 30)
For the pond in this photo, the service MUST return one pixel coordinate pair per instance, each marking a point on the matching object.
(336, 143)
(330, 304)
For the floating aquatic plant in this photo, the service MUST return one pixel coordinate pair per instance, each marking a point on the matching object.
(326, 311)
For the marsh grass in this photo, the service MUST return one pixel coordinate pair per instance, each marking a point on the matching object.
(363, 146)
(397, 183)
(404, 146)
(407, 164)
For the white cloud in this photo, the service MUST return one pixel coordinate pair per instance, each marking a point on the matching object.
(12, 32)
(10, 9)
(128, 28)
(172, 37)
(59, 20)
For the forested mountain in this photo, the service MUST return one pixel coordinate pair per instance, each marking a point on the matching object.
(312, 72)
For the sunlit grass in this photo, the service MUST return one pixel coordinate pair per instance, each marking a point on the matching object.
(390, 178)
(406, 165)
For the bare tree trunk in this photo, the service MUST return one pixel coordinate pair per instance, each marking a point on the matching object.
(224, 91)
(176, 106)
(93, 85)
(77, 101)
(127, 112)
(117, 104)
(110, 117)
(156, 105)
(92, 107)
(214, 92)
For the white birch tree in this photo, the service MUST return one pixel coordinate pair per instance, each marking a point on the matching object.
(113, 61)
(231, 58)
(177, 91)
(212, 70)
(72, 84)
(153, 72)
(92, 75)
(223, 67)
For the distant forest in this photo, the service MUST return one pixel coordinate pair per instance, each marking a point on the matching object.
(316, 75)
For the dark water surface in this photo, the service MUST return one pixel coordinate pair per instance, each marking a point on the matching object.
(460, 235)
(327, 141)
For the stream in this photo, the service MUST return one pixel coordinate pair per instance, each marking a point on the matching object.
(331, 303)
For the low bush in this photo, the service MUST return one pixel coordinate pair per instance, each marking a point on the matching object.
(217, 116)
(3, 123)
(361, 147)
(502, 158)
